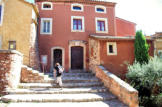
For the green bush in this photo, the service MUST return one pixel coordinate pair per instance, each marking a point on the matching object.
(141, 48)
(147, 79)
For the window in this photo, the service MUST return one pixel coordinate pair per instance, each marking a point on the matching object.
(100, 9)
(12, 45)
(44, 59)
(1, 13)
(77, 24)
(47, 6)
(111, 48)
(101, 25)
(46, 25)
(77, 7)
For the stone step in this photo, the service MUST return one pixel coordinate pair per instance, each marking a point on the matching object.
(112, 103)
(89, 97)
(58, 91)
(73, 74)
(67, 80)
(66, 85)
(78, 71)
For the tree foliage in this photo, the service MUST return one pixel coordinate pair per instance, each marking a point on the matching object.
(141, 48)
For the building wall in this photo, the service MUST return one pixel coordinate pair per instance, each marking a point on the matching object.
(117, 64)
(61, 28)
(157, 43)
(125, 28)
(16, 26)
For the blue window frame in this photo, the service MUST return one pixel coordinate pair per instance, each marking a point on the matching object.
(100, 10)
(46, 26)
(77, 24)
(76, 8)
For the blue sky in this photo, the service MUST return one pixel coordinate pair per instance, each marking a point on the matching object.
(147, 14)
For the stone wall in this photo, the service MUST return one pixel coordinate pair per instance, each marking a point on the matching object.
(94, 53)
(28, 75)
(10, 68)
(118, 87)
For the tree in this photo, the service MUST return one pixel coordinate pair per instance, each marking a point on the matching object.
(141, 48)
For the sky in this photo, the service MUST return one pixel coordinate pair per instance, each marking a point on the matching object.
(147, 14)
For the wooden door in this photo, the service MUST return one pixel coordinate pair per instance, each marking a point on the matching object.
(57, 56)
(76, 57)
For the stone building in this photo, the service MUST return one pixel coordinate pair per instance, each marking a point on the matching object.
(158, 44)
(66, 25)
(18, 29)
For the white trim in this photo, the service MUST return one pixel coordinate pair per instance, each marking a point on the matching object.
(49, 3)
(114, 48)
(42, 26)
(79, 5)
(100, 6)
(2, 14)
(63, 55)
(77, 17)
(78, 43)
(106, 24)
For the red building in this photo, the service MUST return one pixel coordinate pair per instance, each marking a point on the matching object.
(66, 25)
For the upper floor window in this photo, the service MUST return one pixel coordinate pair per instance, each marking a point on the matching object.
(101, 25)
(77, 24)
(46, 26)
(47, 6)
(77, 7)
(100, 9)
(1, 14)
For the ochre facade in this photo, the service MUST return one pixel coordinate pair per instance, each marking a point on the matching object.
(19, 24)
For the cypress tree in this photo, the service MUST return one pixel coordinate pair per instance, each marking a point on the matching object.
(141, 48)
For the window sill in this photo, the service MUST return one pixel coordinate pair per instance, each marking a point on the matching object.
(101, 31)
(112, 54)
(77, 30)
(46, 33)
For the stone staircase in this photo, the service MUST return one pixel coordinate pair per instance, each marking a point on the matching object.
(80, 88)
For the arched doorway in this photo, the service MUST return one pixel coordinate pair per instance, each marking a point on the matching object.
(77, 58)
(57, 56)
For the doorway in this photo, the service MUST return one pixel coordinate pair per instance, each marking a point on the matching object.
(77, 57)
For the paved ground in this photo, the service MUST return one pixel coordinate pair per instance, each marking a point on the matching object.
(94, 104)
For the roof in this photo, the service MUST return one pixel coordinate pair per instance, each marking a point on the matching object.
(125, 20)
(157, 35)
(114, 37)
(31, 4)
(101, 2)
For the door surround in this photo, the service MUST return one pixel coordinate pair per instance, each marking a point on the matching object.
(81, 43)
(63, 55)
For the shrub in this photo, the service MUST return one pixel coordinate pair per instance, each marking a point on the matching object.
(147, 79)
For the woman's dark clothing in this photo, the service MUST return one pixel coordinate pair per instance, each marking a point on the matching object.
(57, 71)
